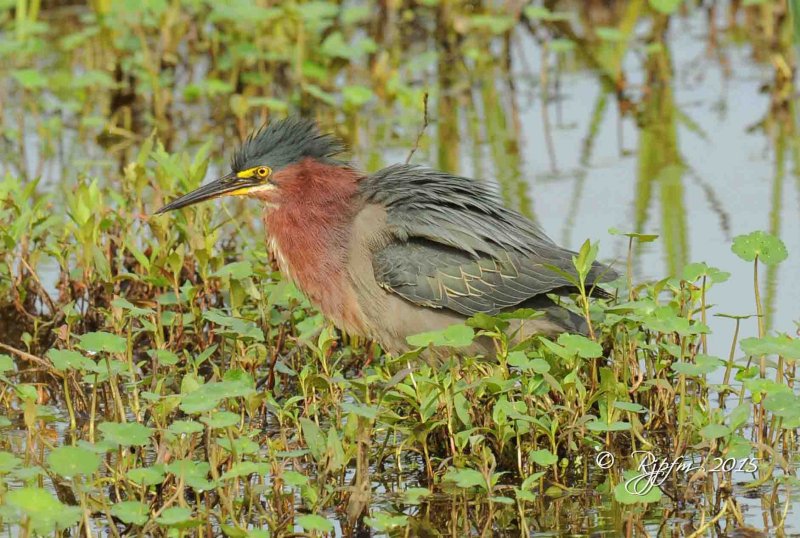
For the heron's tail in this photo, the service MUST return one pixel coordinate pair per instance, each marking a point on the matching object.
(556, 319)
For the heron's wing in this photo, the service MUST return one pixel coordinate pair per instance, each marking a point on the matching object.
(434, 275)
(453, 245)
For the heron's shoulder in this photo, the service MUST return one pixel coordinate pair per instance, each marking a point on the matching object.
(401, 185)
(452, 210)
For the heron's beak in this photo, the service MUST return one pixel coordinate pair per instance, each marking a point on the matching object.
(229, 185)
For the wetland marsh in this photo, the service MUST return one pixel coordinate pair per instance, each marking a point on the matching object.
(158, 377)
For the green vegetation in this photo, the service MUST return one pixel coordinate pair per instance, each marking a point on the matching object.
(158, 377)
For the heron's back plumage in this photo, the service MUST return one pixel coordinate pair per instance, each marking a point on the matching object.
(454, 245)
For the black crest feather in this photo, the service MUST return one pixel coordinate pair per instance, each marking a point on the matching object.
(284, 142)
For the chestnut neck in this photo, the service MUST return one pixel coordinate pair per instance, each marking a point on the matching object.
(309, 234)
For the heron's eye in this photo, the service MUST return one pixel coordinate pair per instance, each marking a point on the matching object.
(262, 172)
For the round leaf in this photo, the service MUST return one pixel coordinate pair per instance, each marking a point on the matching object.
(543, 457)
(102, 341)
(69, 461)
(715, 431)
(130, 434)
(313, 522)
(132, 512)
(768, 248)
(175, 515)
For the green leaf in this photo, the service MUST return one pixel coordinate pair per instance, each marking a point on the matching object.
(313, 522)
(6, 364)
(147, 476)
(739, 415)
(382, 521)
(415, 495)
(208, 396)
(26, 392)
(69, 461)
(366, 411)
(703, 365)
(783, 404)
(128, 434)
(164, 357)
(175, 515)
(334, 450)
(695, 271)
(783, 345)
(495, 24)
(642, 238)
(543, 457)
(355, 14)
(242, 445)
(715, 431)
(519, 359)
(462, 409)
(131, 512)
(531, 481)
(236, 270)
(634, 488)
(233, 532)
(357, 96)
(630, 407)
(576, 344)
(664, 320)
(536, 12)
(600, 426)
(43, 510)
(336, 47)
(186, 427)
(194, 473)
(241, 327)
(260, 533)
(8, 462)
(758, 386)
(246, 468)
(315, 91)
(769, 249)
(293, 478)
(315, 440)
(465, 478)
(608, 33)
(29, 78)
(453, 336)
(102, 341)
(653, 48)
(542, 13)
(667, 7)
(585, 258)
(561, 45)
(221, 419)
(67, 359)
(134, 310)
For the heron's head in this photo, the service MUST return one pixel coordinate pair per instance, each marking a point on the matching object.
(266, 164)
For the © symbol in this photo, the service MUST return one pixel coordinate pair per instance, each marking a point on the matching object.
(604, 460)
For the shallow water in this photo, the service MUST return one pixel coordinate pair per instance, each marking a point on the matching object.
(731, 185)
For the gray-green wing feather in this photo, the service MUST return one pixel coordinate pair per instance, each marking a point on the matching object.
(455, 246)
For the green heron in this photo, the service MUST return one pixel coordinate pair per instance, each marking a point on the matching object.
(399, 252)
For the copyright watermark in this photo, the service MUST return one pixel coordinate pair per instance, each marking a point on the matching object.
(654, 471)
(604, 460)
